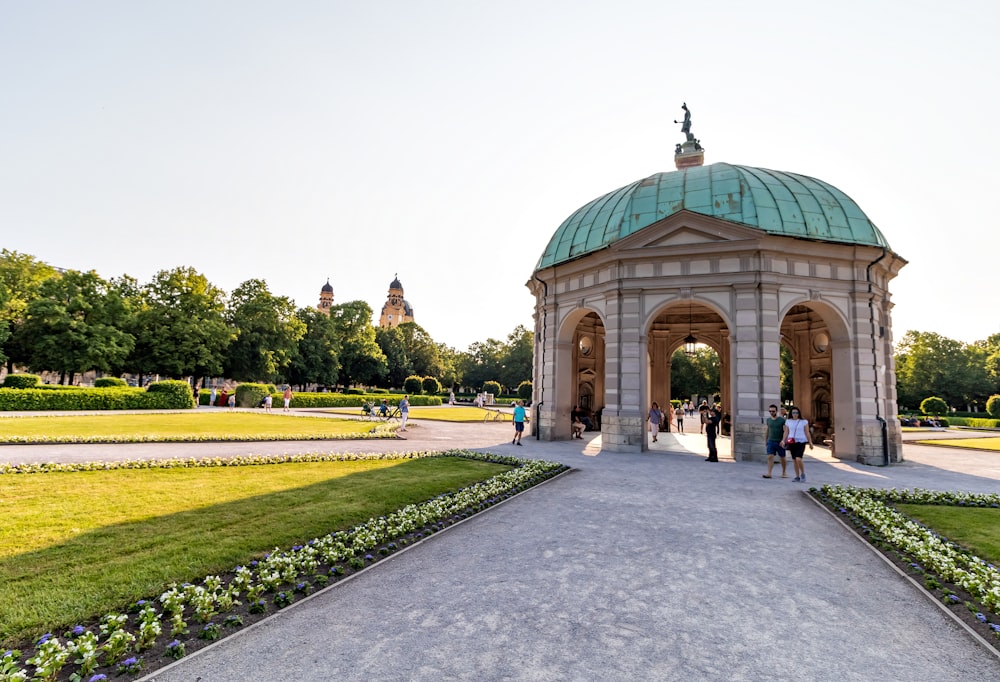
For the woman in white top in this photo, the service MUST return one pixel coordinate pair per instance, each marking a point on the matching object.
(795, 438)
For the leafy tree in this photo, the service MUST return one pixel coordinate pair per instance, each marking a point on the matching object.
(413, 384)
(430, 386)
(697, 375)
(21, 276)
(518, 357)
(180, 326)
(361, 359)
(317, 360)
(393, 345)
(267, 333)
(421, 351)
(524, 390)
(482, 362)
(930, 364)
(934, 406)
(450, 360)
(76, 325)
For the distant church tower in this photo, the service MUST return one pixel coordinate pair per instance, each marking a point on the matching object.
(325, 298)
(397, 309)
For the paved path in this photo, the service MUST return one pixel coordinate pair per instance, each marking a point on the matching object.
(653, 566)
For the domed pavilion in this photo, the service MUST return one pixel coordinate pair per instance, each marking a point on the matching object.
(741, 259)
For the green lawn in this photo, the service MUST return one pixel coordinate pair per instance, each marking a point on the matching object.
(975, 443)
(77, 545)
(177, 426)
(975, 528)
(445, 413)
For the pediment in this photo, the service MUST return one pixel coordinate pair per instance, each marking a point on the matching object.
(687, 229)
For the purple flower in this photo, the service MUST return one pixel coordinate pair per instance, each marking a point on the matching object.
(43, 639)
(78, 630)
(981, 618)
(130, 661)
(100, 677)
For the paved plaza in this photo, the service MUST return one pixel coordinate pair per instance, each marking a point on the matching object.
(651, 566)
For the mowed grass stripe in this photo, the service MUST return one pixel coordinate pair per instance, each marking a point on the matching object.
(74, 546)
(207, 425)
(987, 443)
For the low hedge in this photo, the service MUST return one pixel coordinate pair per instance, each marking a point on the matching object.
(114, 398)
(975, 422)
(344, 400)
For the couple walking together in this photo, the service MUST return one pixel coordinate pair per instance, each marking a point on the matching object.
(791, 433)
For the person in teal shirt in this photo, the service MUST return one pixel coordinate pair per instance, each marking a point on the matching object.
(519, 414)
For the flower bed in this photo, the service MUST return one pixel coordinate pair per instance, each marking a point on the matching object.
(380, 432)
(185, 617)
(959, 578)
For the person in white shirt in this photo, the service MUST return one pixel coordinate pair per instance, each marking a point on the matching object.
(795, 438)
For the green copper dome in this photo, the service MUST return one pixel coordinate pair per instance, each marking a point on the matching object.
(773, 201)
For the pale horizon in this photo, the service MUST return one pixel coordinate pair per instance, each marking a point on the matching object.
(444, 143)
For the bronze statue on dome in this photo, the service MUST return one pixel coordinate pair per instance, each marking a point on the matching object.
(686, 123)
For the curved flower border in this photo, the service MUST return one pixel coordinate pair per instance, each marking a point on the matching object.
(927, 551)
(188, 608)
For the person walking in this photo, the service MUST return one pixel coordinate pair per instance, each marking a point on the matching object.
(519, 415)
(668, 415)
(268, 402)
(287, 398)
(712, 418)
(404, 411)
(211, 398)
(197, 397)
(679, 413)
(775, 434)
(655, 417)
(232, 401)
(795, 437)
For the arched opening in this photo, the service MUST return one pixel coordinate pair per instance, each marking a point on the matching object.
(817, 378)
(688, 361)
(580, 367)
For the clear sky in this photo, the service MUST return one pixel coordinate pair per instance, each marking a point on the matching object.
(447, 140)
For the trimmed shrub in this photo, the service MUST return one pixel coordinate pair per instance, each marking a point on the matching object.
(430, 386)
(993, 406)
(379, 391)
(524, 390)
(109, 382)
(250, 395)
(493, 387)
(933, 405)
(178, 393)
(413, 384)
(354, 391)
(21, 381)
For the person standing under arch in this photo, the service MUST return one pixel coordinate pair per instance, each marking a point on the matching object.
(796, 435)
(712, 418)
(655, 417)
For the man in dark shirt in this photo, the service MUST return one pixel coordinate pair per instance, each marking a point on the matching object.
(712, 419)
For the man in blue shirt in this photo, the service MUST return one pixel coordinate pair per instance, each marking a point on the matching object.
(519, 414)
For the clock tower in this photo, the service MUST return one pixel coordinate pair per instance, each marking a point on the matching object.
(397, 309)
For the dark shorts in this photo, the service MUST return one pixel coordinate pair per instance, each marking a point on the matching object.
(774, 448)
(797, 450)
(518, 427)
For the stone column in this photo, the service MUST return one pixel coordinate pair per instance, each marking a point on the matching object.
(625, 372)
(756, 366)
